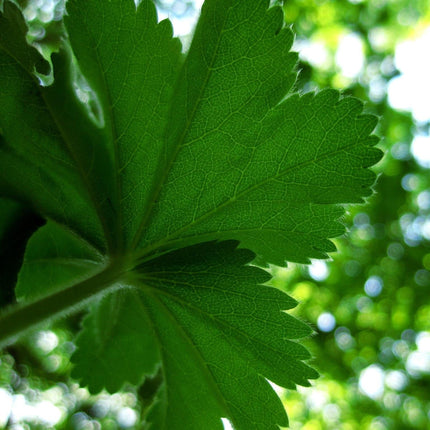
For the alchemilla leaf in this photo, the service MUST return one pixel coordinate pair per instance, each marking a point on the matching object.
(221, 330)
(161, 189)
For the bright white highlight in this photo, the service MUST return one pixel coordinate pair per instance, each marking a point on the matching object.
(421, 147)
(46, 340)
(316, 399)
(183, 18)
(318, 270)
(423, 341)
(350, 55)
(371, 382)
(43, 412)
(227, 424)
(418, 362)
(126, 417)
(6, 401)
(315, 53)
(411, 90)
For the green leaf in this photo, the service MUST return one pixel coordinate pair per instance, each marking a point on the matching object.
(276, 167)
(153, 191)
(119, 348)
(131, 64)
(55, 256)
(34, 141)
(222, 333)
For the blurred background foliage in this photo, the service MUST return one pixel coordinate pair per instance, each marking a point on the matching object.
(369, 305)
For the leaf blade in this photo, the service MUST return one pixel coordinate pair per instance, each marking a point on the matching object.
(132, 74)
(238, 338)
(110, 348)
(216, 150)
(236, 122)
(32, 139)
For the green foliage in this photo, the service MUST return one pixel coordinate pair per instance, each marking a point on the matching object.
(152, 188)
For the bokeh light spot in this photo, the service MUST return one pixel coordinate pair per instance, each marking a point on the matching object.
(318, 270)
(326, 322)
(373, 286)
(371, 381)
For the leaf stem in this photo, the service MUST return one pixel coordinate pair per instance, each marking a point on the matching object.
(20, 319)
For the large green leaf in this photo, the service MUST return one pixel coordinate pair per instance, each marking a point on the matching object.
(277, 166)
(148, 196)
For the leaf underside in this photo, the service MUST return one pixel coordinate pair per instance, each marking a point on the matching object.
(183, 163)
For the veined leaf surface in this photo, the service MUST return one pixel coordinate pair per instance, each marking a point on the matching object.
(151, 198)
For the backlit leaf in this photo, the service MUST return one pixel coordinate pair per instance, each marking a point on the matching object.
(162, 176)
